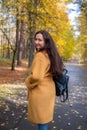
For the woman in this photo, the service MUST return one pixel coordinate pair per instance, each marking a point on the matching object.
(41, 88)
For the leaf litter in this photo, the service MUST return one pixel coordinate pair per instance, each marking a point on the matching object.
(13, 104)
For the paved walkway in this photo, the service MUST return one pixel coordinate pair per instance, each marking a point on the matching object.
(67, 116)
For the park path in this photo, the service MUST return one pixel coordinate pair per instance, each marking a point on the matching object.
(71, 115)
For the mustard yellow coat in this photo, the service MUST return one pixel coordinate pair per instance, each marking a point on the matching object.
(41, 90)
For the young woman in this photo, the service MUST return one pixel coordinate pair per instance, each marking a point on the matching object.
(41, 88)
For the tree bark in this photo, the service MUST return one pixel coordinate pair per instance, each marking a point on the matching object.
(16, 44)
(21, 44)
(32, 20)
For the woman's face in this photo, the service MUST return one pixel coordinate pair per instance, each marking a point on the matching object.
(39, 41)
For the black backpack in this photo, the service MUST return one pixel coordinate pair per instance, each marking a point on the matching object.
(61, 84)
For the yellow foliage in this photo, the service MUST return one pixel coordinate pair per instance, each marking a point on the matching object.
(49, 14)
(9, 3)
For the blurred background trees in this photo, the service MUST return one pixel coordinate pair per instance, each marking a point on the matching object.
(82, 28)
(20, 19)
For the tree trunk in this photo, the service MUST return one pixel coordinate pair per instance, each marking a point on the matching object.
(31, 43)
(21, 45)
(8, 52)
(32, 20)
(31, 50)
(16, 44)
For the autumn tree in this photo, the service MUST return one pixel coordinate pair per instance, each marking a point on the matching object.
(6, 31)
(33, 15)
(82, 27)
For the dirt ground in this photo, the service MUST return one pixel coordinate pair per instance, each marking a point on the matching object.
(7, 75)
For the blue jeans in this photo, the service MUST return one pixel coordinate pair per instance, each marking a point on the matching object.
(42, 126)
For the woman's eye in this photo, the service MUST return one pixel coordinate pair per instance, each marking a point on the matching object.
(39, 40)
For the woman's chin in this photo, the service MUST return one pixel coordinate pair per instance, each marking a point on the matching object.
(38, 49)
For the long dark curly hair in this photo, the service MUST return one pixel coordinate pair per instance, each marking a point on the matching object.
(57, 66)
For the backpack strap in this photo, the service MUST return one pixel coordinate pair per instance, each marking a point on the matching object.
(64, 96)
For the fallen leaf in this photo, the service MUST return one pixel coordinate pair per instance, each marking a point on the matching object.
(69, 124)
(79, 127)
(54, 127)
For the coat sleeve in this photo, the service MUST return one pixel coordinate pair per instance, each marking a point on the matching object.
(38, 71)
